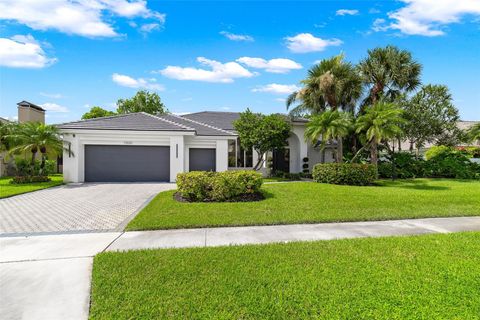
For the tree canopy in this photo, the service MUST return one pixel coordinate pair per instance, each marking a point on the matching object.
(332, 83)
(388, 72)
(430, 115)
(261, 132)
(143, 101)
(97, 112)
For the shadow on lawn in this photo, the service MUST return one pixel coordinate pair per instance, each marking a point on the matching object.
(413, 184)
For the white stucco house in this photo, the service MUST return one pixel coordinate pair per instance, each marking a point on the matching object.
(144, 147)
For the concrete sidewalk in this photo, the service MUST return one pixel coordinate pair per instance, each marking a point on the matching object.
(48, 276)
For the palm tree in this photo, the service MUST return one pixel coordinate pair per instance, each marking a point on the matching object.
(380, 122)
(329, 125)
(474, 132)
(388, 72)
(333, 83)
(6, 128)
(35, 137)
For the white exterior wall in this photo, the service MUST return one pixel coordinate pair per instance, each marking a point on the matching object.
(179, 143)
(222, 155)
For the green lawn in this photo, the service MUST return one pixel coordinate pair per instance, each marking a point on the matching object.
(7, 189)
(420, 277)
(304, 202)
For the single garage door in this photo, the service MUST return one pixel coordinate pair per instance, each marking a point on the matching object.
(202, 159)
(108, 163)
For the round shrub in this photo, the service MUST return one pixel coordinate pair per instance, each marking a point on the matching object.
(218, 186)
(195, 185)
(345, 173)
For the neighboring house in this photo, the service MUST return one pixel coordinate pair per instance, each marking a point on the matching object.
(27, 112)
(462, 125)
(144, 147)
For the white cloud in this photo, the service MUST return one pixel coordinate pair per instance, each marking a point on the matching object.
(23, 52)
(306, 42)
(149, 27)
(278, 65)
(53, 107)
(220, 72)
(52, 95)
(127, 81)
(346, 12)
(427, 17)
(79, 17)
(379, 25)
(237, 37)
(277, 88)
(280, 99)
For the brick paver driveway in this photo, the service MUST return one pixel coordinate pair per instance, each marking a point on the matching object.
(82, 207)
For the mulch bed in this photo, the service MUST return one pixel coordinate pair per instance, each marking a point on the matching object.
(250, 197)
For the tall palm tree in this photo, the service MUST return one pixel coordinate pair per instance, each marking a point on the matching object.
(333, 83)
(329, 125)
(35, 137)
(388, 72)
(474, 132)
(380, 122)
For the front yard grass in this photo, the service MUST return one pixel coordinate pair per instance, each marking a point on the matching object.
(306, 202)
(418, 277)
(8, 190)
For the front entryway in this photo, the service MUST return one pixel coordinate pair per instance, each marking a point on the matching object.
(281, 160)
(118, 163)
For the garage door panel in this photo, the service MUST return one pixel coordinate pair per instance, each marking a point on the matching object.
(201, 159)
(111, 163)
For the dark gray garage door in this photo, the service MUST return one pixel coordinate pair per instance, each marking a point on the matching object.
(126, 163)
(202, 159)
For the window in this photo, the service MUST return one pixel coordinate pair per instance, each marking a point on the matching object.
(239, 157)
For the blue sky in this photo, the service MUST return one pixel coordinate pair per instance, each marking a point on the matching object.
(69, 55)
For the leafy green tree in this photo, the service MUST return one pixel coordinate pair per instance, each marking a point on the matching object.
(262, 133)
(97, 112)
(329, 125)
(388, 72)
(430, 115)
(333, 83)
(34, 137)
(143, 101)
(379, 122)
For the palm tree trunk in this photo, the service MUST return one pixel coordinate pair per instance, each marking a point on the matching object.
(374, 153)
(339, 150)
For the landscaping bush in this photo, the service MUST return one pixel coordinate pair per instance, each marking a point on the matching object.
(442, 162)
(406, 166)
(345, 173)
(195, 185)
(451, 163)
(218, 186)
(24, 167)
(233, 184)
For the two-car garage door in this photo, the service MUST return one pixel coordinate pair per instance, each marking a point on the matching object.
(118, 163)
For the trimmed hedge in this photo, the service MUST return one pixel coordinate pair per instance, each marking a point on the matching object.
(29, 179)
(218, 186)
(345, 173)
